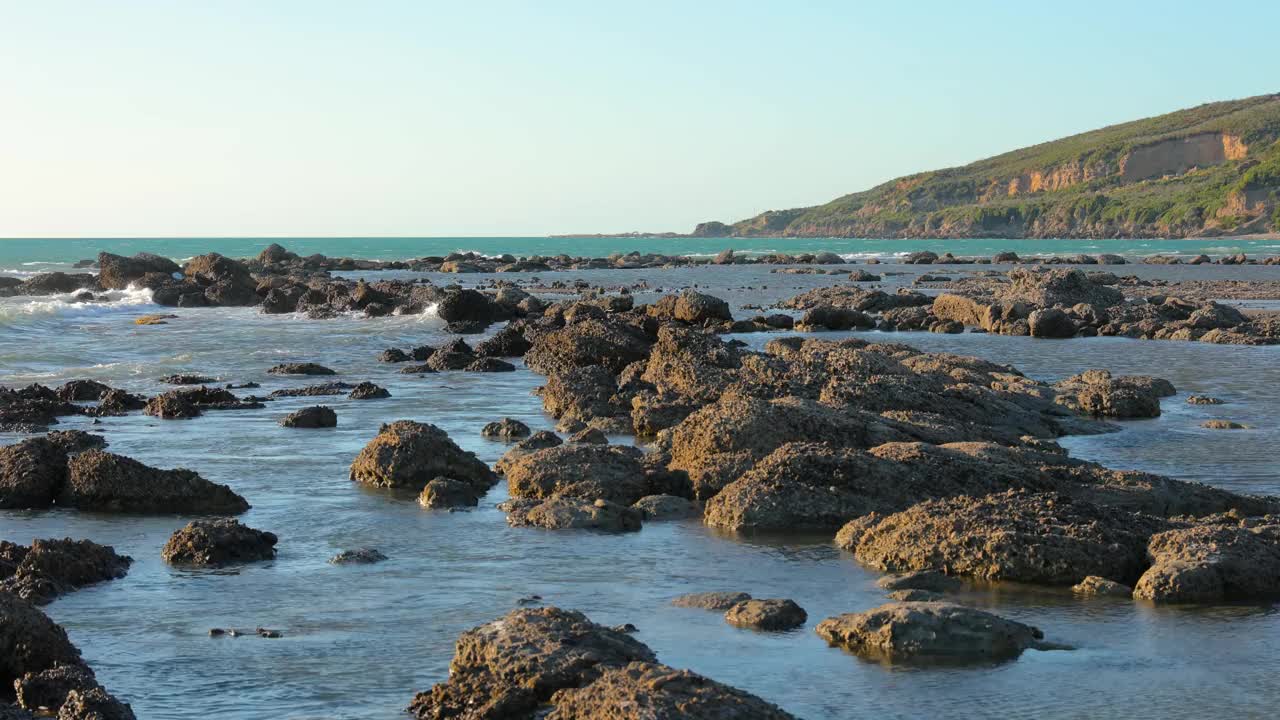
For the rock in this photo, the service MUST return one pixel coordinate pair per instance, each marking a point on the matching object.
(49, 568)
(191, 403)
(766, 615)
(1061, 287)
(359, 556)
(154, 319)
(305, 368)
(489, 364)
(218, 542)
(82, 390)
(49, 688)
(1098, 393)
(507, 342)
(561, 513)
(119, 402)
(931, 580)
(1051, 323)
(316, 416)
(30, 642)
(698, 308)
(579, 470)
(711, 600)
(827, 317)
(861, 275)
(508, 668)
(94, 704)
(171, 406)
(915, 596)
(582, 394)
(538, 441)
(608, 343)
(321, 390)
(31, 473)
(1094, 585)
(1214, 562)
(589, 435)
(508, 429)
(105, 482)
(443, 492)
(929, 630)
(187, 379)
(465, 306)
(1223, 425)
(721, 441)
(657, 692)
(667, 507)
(408, 454)
(117, 273)
(368, 391)
(393, 355)
(1203, 400)
(1017, 536)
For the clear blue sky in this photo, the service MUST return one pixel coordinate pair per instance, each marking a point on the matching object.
(319, 117)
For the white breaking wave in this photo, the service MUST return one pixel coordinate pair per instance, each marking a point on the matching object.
(65, 305)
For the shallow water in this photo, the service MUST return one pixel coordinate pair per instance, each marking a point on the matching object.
(359, 641)
(22, 256)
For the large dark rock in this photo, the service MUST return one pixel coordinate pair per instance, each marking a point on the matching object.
(117, 272)
(407, 454)
(222, 541)
(465, 306)
(49, 568)
(316, 416)
(33, 472)
(106, 482)
(766, 614)
(29, 643)
(1099, 393)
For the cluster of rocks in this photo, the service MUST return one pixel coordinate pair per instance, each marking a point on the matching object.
(49, 568)
(1068, 303)
(458, 355)
(1094, 548)
(69, 469)
(557, 664)
(421, 458)
(33, 408)
(42, 673)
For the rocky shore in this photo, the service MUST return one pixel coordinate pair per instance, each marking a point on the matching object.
(941, 469)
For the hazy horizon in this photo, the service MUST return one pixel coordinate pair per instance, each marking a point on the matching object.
(291, 119)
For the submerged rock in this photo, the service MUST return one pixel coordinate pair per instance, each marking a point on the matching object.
(408, 454)
(1094, 585)
(565, 513)
(766, 614)
(359, 556)
(667, 507)
(222, 541)
(305, 368)
(711, 600)
(930, 580)
(929, 630)
(368, 391)
(1223, 425)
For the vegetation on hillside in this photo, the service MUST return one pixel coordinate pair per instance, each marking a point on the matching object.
(1209, 170)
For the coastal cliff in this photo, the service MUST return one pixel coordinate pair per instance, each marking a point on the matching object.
(1209, 170)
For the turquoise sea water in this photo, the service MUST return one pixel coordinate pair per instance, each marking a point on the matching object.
(35, 254)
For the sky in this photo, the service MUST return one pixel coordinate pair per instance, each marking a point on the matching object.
(491, 118)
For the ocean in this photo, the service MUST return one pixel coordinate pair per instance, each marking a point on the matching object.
(359, 641)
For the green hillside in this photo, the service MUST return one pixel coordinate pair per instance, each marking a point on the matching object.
(1209, 170)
